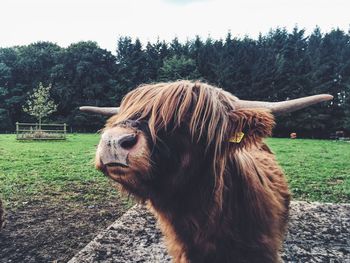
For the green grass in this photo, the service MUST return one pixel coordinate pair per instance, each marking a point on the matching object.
(57, 171)
(317, 170)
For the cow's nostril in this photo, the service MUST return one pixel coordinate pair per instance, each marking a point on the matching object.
(128, 141)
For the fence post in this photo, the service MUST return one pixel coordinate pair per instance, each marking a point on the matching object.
(64, 130)
(17, 129)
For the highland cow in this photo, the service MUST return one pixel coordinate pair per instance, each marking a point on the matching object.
(195, 155)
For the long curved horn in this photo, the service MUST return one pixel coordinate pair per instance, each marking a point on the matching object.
(107, 111)
(283, 107)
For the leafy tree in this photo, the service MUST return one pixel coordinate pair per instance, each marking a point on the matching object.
(39, 103)
(84, 75)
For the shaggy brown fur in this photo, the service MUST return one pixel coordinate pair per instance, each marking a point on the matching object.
(216, 201)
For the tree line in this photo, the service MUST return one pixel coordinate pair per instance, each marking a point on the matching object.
(276, 66)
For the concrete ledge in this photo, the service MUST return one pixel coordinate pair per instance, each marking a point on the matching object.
(318, 232)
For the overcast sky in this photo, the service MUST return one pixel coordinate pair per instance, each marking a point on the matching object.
(68, 21)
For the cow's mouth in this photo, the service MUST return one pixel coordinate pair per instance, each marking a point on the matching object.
(116, 169)
(117, 165)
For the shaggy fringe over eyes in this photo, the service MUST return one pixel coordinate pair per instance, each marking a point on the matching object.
(203, 108)
(166, 105)
(206, 111)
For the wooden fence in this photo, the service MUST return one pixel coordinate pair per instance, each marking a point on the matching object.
(36, 131)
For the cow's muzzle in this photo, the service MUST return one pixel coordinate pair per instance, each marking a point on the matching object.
(114, 149)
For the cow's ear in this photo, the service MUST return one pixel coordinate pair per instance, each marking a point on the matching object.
(249, 126)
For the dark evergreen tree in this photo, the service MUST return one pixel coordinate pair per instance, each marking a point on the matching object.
(176, 68)
(132, 63)
(277, 66)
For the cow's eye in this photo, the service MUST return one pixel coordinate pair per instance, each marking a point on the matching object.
(129, 123)
(134, 124)
(137, 116)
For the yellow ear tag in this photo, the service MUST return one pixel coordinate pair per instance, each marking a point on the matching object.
(237, 138)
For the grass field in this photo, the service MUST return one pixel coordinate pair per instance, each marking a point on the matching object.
(56, 201)
(317, 170)
(57, 170)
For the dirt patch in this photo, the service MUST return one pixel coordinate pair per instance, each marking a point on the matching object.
(47, 231)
